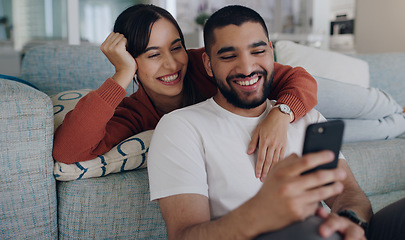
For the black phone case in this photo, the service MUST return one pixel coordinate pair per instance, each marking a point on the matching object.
(324, 136)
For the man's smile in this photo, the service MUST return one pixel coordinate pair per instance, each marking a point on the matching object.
(248, 81)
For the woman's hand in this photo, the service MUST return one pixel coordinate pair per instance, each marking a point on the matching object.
(270, 137)
(115, 49)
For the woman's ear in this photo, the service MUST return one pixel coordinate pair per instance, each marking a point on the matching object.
(207, 64)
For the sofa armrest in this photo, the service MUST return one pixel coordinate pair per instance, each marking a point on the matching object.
(27, 186)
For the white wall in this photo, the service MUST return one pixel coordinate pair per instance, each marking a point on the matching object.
(379, 26)
(321, 20)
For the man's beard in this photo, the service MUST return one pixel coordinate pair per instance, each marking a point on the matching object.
(233, 98)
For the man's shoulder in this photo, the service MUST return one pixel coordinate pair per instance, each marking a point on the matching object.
(313, 116)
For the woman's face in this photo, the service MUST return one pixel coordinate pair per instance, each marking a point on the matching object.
(163, 65)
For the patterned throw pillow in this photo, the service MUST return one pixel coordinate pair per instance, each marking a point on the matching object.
(128, 155)
(64, 102)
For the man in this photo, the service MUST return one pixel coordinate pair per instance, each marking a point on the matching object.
(204, 180)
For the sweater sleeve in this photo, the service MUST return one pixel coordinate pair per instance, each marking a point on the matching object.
(294, 87)
(96, 124)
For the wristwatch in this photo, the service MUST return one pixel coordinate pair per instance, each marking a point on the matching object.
(352, 216)
(285, 109)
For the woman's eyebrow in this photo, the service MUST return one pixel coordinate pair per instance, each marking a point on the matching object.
(154, 48)
(176, 41)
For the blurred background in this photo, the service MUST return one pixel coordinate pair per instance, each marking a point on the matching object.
(348, 26)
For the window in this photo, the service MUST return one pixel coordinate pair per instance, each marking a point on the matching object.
(32, 22)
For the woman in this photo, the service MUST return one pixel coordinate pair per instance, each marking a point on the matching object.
(369, 113)
(148, 41)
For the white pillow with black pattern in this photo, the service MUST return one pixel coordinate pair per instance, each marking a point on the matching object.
(129, 154)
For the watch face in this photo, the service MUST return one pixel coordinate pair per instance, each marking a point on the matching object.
(284, 108)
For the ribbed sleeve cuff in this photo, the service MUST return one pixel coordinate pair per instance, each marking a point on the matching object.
(111, 92)
(295, 104)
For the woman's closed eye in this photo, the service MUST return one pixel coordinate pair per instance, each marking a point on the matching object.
(153, 55)
(176, 48)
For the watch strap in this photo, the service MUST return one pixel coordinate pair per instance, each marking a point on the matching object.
(352, 216)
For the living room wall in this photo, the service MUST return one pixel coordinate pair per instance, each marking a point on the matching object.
(379, 26)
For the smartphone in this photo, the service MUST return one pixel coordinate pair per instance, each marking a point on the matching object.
(324, 136)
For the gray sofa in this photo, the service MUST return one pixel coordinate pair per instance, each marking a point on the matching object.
(34, 205)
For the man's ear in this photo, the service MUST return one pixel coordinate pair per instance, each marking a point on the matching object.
(272, 49)
(207, 64)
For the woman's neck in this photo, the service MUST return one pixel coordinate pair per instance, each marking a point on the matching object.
(164, 104)
(168, 104)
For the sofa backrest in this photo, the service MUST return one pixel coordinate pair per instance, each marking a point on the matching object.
(58, 68)
(387, 72)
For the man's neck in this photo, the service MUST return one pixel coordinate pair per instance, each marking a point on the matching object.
(252, 112)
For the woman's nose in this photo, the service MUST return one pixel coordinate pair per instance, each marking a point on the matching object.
(170, 62)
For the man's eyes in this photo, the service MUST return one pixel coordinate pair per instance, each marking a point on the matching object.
(226, 57)
(258, 52)
(231, 56)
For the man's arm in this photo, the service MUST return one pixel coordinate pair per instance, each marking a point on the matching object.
(187, 216)
(352, 197)
(285, 197)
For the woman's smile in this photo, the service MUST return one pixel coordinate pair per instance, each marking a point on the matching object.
(170, 79)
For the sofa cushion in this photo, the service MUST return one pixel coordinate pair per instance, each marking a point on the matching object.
(117, 206)
(379, 168)
(322, 63)
(130, 154)
(27, 186)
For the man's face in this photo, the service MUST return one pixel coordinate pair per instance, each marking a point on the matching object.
(242, 63)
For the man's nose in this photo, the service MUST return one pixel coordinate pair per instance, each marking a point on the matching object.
(246, 64)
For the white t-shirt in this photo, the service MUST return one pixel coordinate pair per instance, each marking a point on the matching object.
(202, 149)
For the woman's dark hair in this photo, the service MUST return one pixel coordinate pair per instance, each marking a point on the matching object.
(136, 23)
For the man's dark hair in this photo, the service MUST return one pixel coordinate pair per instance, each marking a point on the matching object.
(229, 15)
